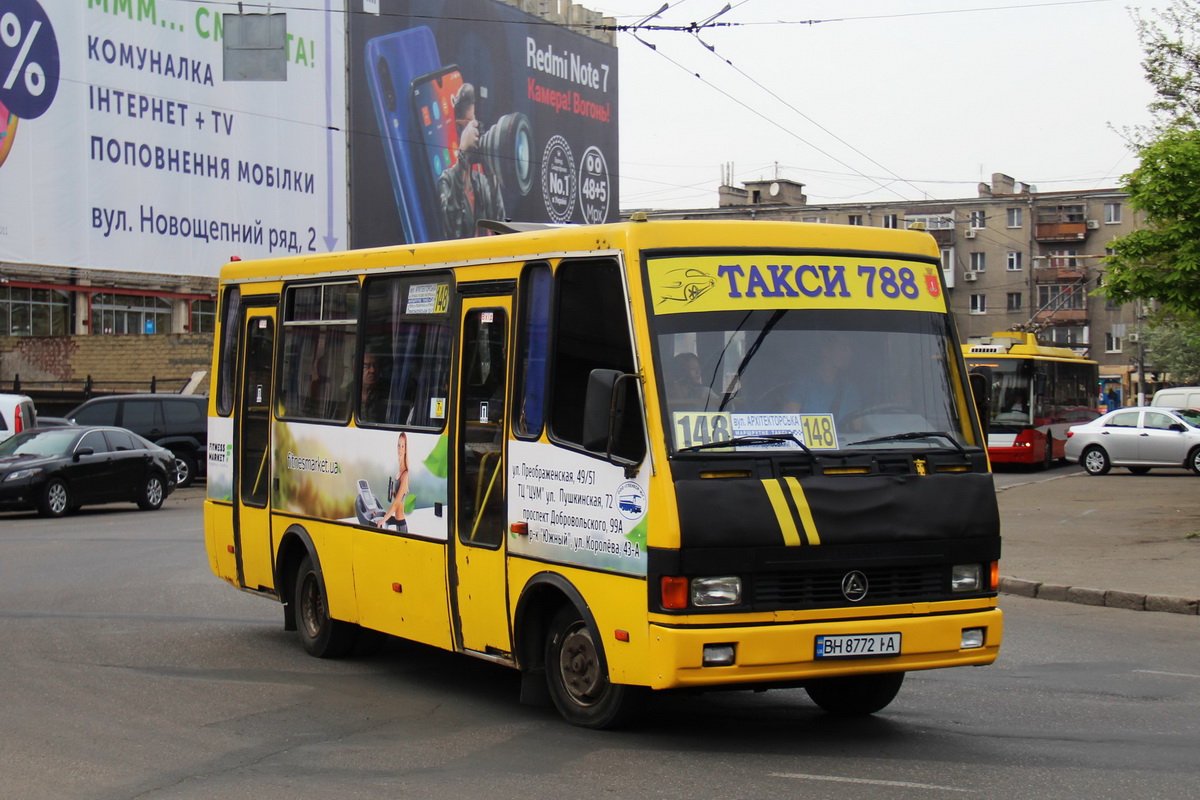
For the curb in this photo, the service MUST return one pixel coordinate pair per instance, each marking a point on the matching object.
(1110, 598)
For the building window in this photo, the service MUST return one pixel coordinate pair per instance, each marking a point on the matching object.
(1064, 259)
(130, 314)
(821, 220)
(978, 220)
(1067, 334)
(932, 222)
(978, 304)
(855, 219)
(890, 221)
(1015, 217)
(1112, 213)
(1061, 296)
(979, 261)
(34, 312)
(1014, 261)
(1114, 339)
(1014, 301)
(203, 316)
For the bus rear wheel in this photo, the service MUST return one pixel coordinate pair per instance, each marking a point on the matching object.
(577, 677)
(321, 636)
(855, 695)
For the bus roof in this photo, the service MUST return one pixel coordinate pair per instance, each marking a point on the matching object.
(1018, 344)
(582, 239)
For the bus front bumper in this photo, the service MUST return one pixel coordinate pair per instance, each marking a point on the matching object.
(787, 652)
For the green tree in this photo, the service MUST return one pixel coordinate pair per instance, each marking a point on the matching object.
(1161, 261)
(1173, 346)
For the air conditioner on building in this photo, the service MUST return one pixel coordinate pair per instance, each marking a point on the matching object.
(1093, 224)
(970, 275)
(1133, 338)
(969, 234)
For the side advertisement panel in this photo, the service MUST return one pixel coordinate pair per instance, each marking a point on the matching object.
(578, 510)
(124, 146)
(463, 110)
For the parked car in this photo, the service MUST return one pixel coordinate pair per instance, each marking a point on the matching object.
(57, 470)
(16, 414)
(1178, 397)
(178, 422)
(1137, 438)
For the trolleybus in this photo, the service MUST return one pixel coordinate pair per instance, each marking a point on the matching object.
(621, 459)
(1037, 393)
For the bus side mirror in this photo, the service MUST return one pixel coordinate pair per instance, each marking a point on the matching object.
(981, 390)
(611, 420)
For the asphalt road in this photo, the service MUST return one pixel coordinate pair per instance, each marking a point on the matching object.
(129, 671)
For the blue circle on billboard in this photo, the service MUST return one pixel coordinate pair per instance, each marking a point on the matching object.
(29, 65)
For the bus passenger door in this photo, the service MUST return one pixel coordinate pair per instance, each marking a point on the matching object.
(479, 584)
(252, 448)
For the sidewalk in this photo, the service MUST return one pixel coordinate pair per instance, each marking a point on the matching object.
(1119, 540)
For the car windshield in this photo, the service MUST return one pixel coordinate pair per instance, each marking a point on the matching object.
(50, 442)
(831, 379)
(1190, 415)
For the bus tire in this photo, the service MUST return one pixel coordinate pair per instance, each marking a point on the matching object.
(321, 636)
(577, 677)
(1138, 470)
(1048, 456)
(855, 695)
(1095, 461)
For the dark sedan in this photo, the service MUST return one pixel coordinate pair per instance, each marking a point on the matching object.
(57, 470)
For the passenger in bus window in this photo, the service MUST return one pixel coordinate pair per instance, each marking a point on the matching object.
(1019, 403)
(398, 489)
(373, 389)
(687, 389)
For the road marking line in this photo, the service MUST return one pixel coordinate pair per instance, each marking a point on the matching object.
(1170, 674)
(867, 781)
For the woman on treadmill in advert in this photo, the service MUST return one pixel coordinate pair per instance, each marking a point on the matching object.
(394, 518)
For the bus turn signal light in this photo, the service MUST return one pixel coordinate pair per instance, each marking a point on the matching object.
(674, 592)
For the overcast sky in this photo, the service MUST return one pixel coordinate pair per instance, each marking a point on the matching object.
(877, 99)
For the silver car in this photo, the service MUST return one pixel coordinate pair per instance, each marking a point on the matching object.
(1137, 438)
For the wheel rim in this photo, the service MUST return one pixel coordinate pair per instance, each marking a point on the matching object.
(312, 606)
(154, 491)
(1094, 461)
(57, 496)
(181, 471)
(579, 666)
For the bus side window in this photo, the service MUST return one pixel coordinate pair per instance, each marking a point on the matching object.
(591, 332)
(533, 315)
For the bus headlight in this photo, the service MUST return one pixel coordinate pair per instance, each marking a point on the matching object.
(723, 591)
(966, 578)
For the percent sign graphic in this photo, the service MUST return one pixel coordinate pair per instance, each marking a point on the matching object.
(28, 59)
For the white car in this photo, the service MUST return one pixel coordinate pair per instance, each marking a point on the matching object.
(16, 414)
(1138, 439)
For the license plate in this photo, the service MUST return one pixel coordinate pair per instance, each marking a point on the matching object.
(858, 645)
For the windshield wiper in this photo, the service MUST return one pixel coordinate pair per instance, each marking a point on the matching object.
(903, 437)
(761, 438)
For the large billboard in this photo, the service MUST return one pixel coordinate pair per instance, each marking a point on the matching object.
(465, 110)
(123, 146)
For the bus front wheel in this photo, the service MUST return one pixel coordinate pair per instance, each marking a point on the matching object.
(321, 636)
(577, 677)
(855, 695)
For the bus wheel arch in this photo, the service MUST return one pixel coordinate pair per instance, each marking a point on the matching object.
(559, 647)
(293, 547)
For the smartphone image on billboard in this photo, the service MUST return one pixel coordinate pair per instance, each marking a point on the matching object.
(433, 112)
(392, 62)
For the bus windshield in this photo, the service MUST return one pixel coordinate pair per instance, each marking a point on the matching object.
(832, 379)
